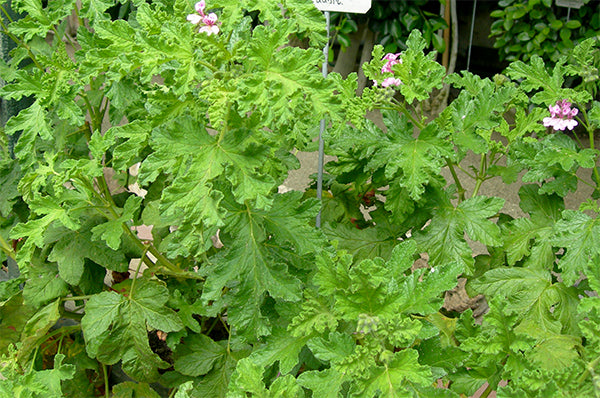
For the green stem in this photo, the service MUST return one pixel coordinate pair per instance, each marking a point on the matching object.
(111, 207)
(72, 315)
(586, 123)
(6, 13)
(19, 42)
(588, 369)
(461, 190)
(137, 272)
(405, 111)
(480, 174)
(106, 386)
(64, 331)
(73, 298)
(486, 392)
(7, 249)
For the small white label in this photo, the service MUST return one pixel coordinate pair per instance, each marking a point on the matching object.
(569, 3)
(353, 6)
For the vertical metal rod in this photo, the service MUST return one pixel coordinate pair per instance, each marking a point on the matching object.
(471, 35)
(322, 129)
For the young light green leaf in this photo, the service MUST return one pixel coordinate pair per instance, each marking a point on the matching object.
(112, 230)
(393, 378)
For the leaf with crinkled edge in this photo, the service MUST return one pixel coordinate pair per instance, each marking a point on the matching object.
(559, 149)
(33, 123)
(309, 21)
(250, 267)
(202, 158)
(497, 336)
(534, 76)
(579, 234)
(94, 10)
(35, 229)
(413, 162)
(544, 210)
(444, 238)
(248, 379)
(530, 294)
(423, 288)
(594, 114)
(324, 383)
(419, 73)
(581, 61)
(36, 20)
(71, 250)
(315, 315)
(115, 327)
(112, 230)
(132, 138)
(333, 347)
(279, 346)
(394, 378)
(284, 85)
(475, 115)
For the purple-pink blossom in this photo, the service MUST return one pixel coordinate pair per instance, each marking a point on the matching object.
(392, 59)
(391, 81)
(210, 23)
(561, 116)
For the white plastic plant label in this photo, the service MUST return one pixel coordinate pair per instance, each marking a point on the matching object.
(569, 3)
(353, 6)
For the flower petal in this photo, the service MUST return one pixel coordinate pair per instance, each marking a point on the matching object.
(194, 18)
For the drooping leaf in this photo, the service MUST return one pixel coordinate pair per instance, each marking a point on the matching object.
(197, 355)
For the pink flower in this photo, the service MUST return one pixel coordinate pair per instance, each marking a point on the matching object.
(561, 116)
(392, 59)
(209, 22)
(391, 81)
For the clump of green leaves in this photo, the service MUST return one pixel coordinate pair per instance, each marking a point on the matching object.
(234, 292)
(541, 27)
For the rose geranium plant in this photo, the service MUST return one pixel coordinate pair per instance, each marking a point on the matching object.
(184, 118)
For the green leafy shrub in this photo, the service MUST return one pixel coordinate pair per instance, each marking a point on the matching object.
(236, 293)
(392, 22)
(524, 28)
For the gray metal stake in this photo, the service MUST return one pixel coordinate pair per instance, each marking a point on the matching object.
(471, 35)
(322, 130)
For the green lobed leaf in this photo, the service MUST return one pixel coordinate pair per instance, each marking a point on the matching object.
(197, 355)
(579, 234)
(444, 238)
(115, 327)
(414, 162)
(393, 378)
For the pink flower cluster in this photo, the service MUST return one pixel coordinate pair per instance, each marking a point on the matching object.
(209, 22)
(392, 59)
(561, 116)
